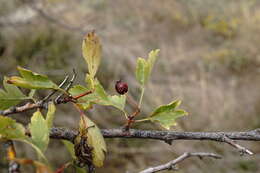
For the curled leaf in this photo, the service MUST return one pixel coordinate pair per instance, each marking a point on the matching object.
(96, 146)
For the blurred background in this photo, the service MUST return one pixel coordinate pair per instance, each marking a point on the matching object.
(210, 59)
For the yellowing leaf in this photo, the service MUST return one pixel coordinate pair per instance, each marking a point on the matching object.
(10, 129)
(32, 80)
(91, 50)
(144, 67)
(166, 115)
(50, 114)
(11, 96)
(142, 70)
(39, 131)
(95, 140)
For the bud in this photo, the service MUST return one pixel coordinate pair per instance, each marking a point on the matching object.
(121, 87)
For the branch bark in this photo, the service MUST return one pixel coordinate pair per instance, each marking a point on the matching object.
(168, 136)
(171, 165)
(253, 135)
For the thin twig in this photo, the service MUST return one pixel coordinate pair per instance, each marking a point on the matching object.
(54, 91)
(14, 167)
(67, 87)
(171, 165)
(241, 149)
(130, 118)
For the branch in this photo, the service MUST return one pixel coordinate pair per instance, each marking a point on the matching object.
(241, 149)
(171, 165)
(168, 136)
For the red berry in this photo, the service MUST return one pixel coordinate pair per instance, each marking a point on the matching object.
(121, 87)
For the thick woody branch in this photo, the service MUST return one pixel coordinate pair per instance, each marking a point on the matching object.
(168, 136)
(171, 165)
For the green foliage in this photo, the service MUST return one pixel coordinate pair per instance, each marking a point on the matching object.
(11, 96)
(144, 67)
(99, 96)
(84, 99)
(32, 80)
(9, 129)
(39, 131)
(166, 115)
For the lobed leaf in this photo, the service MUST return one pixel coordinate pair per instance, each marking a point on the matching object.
(11, 96)
(91, 50)
(39, 131)
(99, 96)
(32, 80)
(144, 67)
(166, 115)
(10, 129)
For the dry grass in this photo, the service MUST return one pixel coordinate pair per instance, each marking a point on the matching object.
(209, 58)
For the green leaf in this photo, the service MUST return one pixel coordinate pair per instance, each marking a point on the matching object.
(118, 101)
(142, 70)
(11, 96)
(39, 131)
(166, 115)
(70, 148)
(108, 100)
(91, 50)
(83, 102)
(95, 140)
(10, 129)
(153, 55)
(50, 114)
(80, 170)
(32, 80)
(99, 96)
(144, 67)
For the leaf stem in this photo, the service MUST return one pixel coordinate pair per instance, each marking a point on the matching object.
(142, 120)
